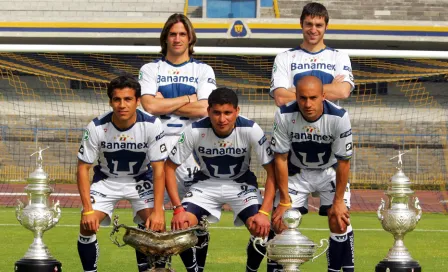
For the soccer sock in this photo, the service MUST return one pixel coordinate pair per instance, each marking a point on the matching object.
(189, 259)
(202, 248)
(253, 257)
(273, 266)
(89, 251)
(340, 254)
(142, 259)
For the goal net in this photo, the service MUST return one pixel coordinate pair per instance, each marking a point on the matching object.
(46, 99)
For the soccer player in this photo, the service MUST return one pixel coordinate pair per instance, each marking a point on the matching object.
(312, 57)
(176, 88)
(312, 141)
(124, 141)
(223, 142)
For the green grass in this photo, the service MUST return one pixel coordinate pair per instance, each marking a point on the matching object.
(428, 243)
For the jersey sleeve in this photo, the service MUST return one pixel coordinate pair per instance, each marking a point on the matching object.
(343, 145)
(344, 67)
(207, 83)
(280, 142)
(184, 147)
(260, 145)
(281, 77)
(157, 150)
(147, 78)
(89, 149)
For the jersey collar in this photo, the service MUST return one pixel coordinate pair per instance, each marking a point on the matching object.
(177, 65)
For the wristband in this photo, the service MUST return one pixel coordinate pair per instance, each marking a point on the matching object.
(88, 213)
(179, 211)
(177, 206)
(285, 204)
(263, 212)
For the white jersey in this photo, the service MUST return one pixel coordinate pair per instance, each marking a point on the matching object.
(123, 154)
(296, 63)
(223, 158)
(313, 145)
(171, 80)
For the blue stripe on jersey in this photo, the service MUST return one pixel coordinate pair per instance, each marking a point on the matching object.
(243, 122)
(331, 109)
(165, 117)
(174, 125)
(290, 107)
(203, 123)
(196, 61)
(184, 118)
(249, 178)
(176, 89)
(326, 78)
(106, 119)
(311, 53)
(143, 117)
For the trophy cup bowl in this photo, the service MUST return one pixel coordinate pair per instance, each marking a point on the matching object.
(291, 248)
(163, 244)
(398, 219)
(38, 217)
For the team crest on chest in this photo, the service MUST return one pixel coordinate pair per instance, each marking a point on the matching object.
(123, 137)
(311, 129)
(224, 143)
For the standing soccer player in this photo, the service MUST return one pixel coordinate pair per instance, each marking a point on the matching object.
(176, 88)
(223, 142)
(124, 141)
(312, 57)
(312, 141)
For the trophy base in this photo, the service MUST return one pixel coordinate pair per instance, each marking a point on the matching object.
(387, 266)
(31, 265)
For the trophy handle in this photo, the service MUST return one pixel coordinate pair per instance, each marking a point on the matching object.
(116, 229)
(260, 241)
(321, 245)
(19, 210)
(418, 208)
(380, 209)
(57, 210)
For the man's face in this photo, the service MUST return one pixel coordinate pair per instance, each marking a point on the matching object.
(310, 100)
(223, 118)
(177, 40)
(313, 29)
(124, 104)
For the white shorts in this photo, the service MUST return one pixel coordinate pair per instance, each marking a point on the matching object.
(105, 194)
(308, 181)
(211, 194)
(185, 172)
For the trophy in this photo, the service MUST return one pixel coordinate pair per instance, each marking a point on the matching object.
(291, 248)
(38, 217)
(398, 219)
(161, 245)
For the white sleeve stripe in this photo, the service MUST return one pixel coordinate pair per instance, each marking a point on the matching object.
(160, 159)
(148, 94)
(84, 161)
(268, 162)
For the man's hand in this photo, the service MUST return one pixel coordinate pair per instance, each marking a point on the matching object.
(193, 98)
(277, 222)
(156, 221)
(90, 222)
(338, 79)
(258, 225)
(181, 221)
(338, 216)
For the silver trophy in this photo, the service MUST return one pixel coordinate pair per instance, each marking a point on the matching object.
(161, 245)
(38, 217)
(291, 248)
(398, 219)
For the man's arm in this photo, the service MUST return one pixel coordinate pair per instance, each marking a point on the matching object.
(161, 106)
(171, 183)
(337, 90)
(283, 96)
(196, 109)
(156, 221)
(269, 188)
(83, 183)
(339, 210)
(281, 174)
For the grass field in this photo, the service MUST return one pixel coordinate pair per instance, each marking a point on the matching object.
(428, 243)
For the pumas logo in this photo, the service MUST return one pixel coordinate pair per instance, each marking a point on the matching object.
(311, 129)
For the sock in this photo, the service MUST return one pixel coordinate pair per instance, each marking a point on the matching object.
(189, 259)
(254, 258)
(89, 251)
(142, 259)
(202, 249)
(340, 254)
(273, 266)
